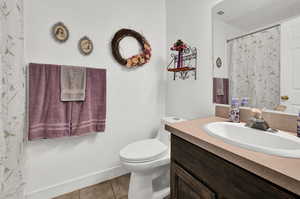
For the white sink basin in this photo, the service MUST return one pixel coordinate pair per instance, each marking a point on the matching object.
(279, 143)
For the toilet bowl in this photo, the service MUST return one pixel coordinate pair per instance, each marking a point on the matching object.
(149, 163)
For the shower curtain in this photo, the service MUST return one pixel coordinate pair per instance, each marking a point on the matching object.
(254, 68)
(12, 99)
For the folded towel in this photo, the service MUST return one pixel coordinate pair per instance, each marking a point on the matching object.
(73, 83)
(49, 117)
(220, 90)
(90, 115)
(220, 86)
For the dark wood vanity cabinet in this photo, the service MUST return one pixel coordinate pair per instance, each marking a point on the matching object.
(199, 174)
(187, 186)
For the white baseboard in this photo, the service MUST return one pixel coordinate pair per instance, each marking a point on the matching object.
(76, 183)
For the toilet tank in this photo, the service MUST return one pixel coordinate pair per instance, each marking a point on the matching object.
(163, 135)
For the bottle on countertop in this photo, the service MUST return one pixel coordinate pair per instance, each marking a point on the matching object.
(234, 112)
(245, 102)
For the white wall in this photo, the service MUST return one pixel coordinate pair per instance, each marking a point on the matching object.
(135, 100)
(190, 20)
(221, 33)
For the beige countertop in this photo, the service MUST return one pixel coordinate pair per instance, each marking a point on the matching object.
(284, 172)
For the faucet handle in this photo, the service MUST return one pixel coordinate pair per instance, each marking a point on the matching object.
(256, 113)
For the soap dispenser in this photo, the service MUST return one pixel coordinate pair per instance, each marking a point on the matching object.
(234, 112)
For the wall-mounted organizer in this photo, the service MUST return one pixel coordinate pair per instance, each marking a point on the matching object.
(184, 64)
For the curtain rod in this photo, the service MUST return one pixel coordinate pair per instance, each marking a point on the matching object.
(261, 30)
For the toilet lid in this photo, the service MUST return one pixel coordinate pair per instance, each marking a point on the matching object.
(143, 151)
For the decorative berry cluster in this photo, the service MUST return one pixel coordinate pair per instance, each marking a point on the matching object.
(140, 59)
(179, 46)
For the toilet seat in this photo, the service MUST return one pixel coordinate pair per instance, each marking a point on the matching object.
(143, 151)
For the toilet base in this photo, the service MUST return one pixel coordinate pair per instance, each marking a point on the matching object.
(161, 194)
(141, 185)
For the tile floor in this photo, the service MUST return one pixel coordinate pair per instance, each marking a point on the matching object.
(114, 189)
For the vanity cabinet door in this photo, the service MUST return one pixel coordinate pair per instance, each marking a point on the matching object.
(185, 186)
(227, 180)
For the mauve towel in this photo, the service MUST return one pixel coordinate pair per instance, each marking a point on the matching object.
(224, 98)
(49, 117)
(90, 115)
(220, 86)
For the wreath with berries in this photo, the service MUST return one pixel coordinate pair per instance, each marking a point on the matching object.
(136, 60)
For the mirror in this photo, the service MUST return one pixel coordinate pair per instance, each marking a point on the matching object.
(256, 53)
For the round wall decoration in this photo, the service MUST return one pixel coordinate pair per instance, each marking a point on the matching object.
(60, 32)
(135, 60)
(85, 45)
(219, 62)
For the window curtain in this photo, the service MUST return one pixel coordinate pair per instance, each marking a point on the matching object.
(254, 68)
(12, 99)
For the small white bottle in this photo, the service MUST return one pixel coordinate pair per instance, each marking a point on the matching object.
(234, 112)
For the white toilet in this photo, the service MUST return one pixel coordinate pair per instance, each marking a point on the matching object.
(149, 163)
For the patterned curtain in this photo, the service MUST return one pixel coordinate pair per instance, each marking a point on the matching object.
(254, 68)
(12, 99)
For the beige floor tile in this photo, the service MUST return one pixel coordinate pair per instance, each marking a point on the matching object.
(120, 186)
(99, 191)
(72, 195)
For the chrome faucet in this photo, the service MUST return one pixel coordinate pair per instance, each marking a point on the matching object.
(257, 122)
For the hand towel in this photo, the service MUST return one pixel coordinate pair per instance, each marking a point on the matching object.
(220, 86)
(220, 97)
(90, 115)
(48, 117)
(73, 83)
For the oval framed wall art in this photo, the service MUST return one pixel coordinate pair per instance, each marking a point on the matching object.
(60, 32)
(85, 46)
(219, 62)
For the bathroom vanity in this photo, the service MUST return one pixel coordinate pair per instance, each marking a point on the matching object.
(207, 168)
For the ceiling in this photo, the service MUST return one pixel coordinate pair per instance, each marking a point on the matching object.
(252, 14)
